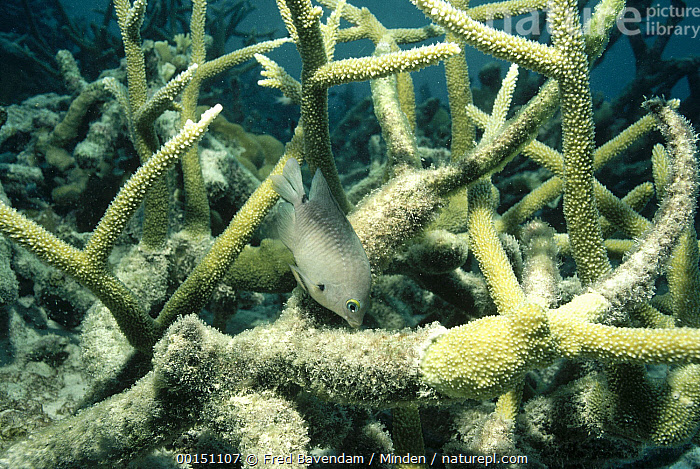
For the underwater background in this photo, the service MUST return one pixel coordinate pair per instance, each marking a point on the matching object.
(59, 352)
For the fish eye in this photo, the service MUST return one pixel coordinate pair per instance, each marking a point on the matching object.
(352, 305)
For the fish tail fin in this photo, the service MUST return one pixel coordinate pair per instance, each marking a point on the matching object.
(285, 225)
(289, 185)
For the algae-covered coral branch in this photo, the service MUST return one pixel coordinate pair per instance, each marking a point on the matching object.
(89, 266)
(194, 293)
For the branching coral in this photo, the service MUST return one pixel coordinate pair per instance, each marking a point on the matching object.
(262, 391)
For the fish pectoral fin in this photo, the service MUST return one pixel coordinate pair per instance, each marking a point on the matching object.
(306, 283)
(299, 276)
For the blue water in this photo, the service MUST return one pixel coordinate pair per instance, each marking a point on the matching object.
(609, 77)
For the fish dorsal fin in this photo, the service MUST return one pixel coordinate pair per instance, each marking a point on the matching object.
(321, 193)
(289, 185)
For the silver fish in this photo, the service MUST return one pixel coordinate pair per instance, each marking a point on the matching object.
(331, 263)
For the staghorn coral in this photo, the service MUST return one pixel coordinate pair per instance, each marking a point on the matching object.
(267, 389)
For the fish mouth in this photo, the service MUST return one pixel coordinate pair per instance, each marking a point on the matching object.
(354, 323)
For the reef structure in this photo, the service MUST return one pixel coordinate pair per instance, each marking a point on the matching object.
(263, 390)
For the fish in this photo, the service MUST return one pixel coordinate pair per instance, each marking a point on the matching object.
(331, 264)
